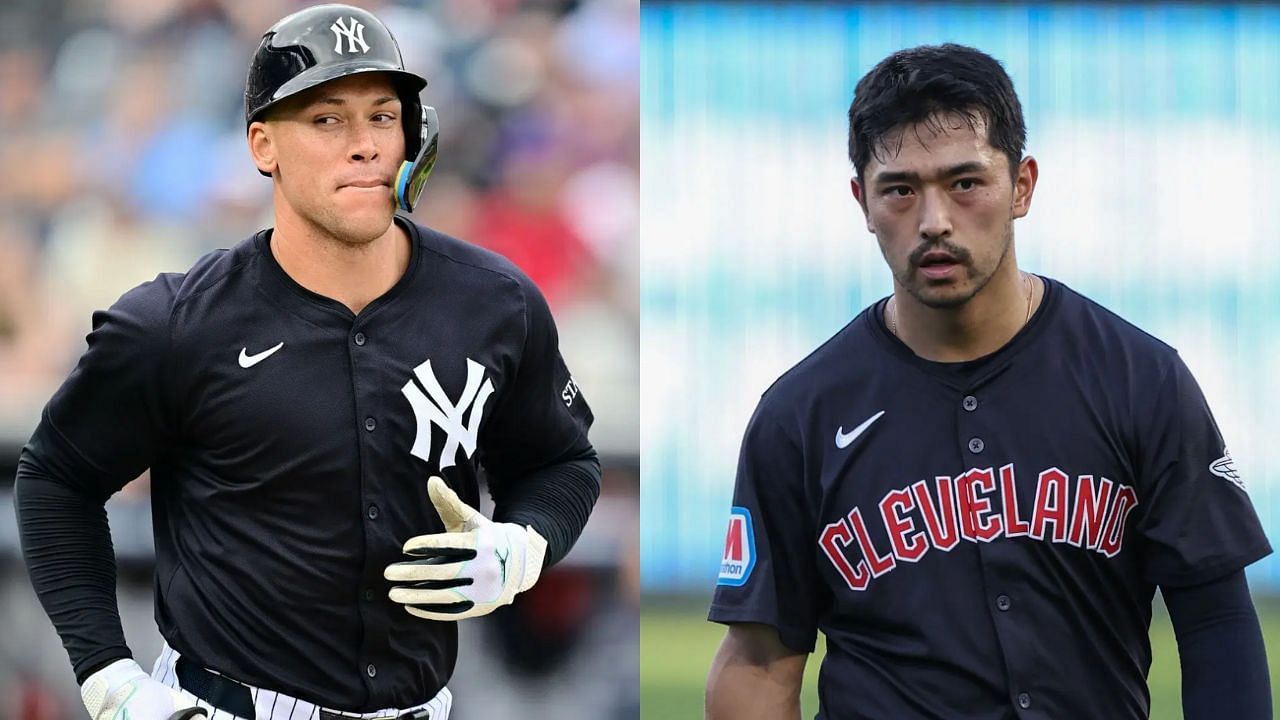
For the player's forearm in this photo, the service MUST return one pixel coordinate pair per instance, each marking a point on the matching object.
(754, 676)
(1220, 646)
(66, 544)
(738, 690)
(556, 501)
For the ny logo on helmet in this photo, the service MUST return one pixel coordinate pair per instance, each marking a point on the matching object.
(354, 33)
(434, 408)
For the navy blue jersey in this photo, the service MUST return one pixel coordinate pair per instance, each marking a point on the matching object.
(982, 539)
(290, 442)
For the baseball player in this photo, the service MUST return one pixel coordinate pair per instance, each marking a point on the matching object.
(974, 489)
(313, 405)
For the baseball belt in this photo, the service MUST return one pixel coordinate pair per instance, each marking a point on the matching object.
(232, 697)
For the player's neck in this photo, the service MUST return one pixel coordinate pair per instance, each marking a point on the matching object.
(976, 329)
(354, 275)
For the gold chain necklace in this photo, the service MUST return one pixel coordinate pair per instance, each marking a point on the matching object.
(893, 309)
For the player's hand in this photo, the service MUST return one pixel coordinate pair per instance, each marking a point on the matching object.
(124, 691)
(473, 568)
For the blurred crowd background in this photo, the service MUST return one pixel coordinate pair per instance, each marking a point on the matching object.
(122, 155)
(1155, 129)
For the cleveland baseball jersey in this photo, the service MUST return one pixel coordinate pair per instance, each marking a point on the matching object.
(290, 442)
(982, 540)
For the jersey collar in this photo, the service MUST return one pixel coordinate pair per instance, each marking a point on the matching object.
(319, 309)
(970, 374)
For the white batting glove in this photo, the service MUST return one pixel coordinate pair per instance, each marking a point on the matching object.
(124, 691)
(475, 567)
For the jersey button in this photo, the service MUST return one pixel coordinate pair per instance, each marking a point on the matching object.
(373, 512)
(368, 595)
(1024, 699)
(370, 424)
(976, 445)
(970, 403)
(373, 672)
(360, 339)
(1004, 603)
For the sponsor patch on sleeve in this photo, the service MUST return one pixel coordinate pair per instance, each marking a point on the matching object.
(739, 549)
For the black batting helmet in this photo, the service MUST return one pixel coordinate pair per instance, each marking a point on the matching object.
(327, 42)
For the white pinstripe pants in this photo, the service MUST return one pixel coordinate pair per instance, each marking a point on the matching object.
(271, 705)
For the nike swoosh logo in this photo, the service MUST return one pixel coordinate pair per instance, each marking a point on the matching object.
(248, 361)
(843, 439)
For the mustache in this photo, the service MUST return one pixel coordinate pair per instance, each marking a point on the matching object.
(961, 255)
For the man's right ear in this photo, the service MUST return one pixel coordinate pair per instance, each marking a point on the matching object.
(262, 148)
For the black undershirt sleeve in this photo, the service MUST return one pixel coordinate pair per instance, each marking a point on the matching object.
(66, 544)
(555, 500)
(101, 429)
(1224, 661)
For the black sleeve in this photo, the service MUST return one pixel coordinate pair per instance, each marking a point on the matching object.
(113, 414)
(541, 417)
(768, 573)
(555, 500)
(1224, 661)
(100, 430)
(66, 545)
(1195, 516)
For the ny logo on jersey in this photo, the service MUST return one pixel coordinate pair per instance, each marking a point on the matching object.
(353, 32)
(434, 408)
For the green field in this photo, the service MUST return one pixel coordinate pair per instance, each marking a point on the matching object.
(676, 645)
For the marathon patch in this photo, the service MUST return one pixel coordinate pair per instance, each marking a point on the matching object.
(739, 549)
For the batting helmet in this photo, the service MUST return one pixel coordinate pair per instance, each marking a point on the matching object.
(326, 42)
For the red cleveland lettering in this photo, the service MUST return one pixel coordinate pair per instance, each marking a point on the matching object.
(834, 537)
(1090, 516)
(940, 522)
(1051, 501)
(908, 544)
(985, 529)
(879, 564)
(1090, 511)
(964, 511)
(1113, 536)
(1014, 526)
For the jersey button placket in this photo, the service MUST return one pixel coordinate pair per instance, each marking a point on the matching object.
(372, 643)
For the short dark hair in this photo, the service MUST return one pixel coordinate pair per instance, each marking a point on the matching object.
(926, 83)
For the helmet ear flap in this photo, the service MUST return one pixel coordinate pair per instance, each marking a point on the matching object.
(414, 119)
(414, 172)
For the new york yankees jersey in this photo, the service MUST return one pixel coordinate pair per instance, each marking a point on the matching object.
(290, 442)
(982, 540)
